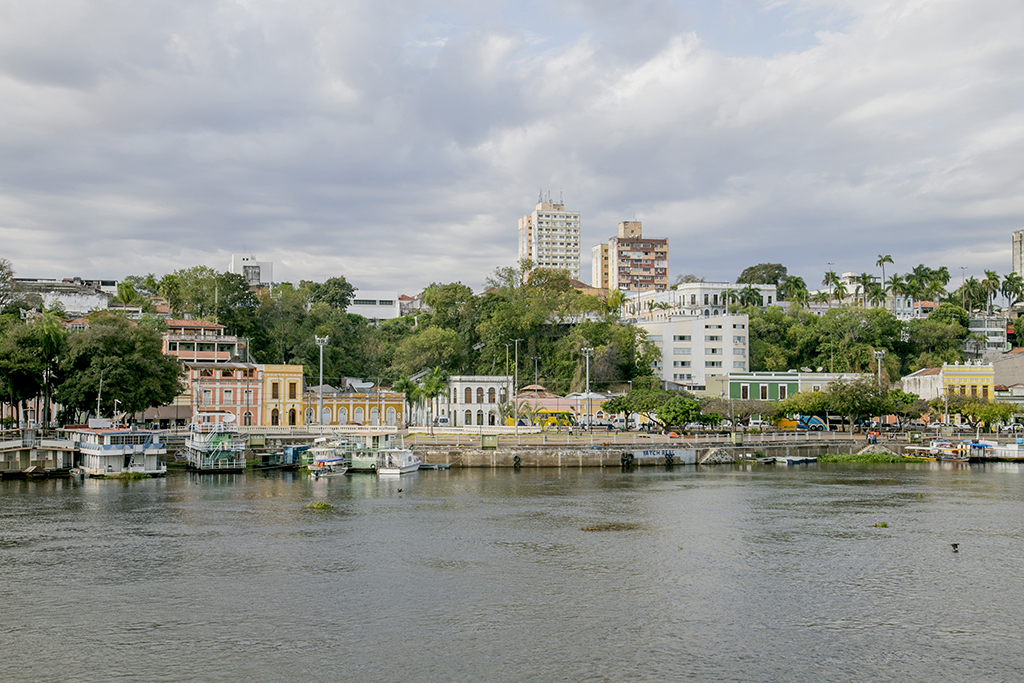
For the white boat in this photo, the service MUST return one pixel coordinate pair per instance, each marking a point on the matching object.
(213, 444)
(328, 467)
(397, 461)
(361, 448)
(109, 449)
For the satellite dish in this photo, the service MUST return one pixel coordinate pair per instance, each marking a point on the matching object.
(820, 368)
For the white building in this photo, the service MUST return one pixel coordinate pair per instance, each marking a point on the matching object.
(375, 305)
(986, 335)
(474, 399)
(696, 348)
(256, 273)
(550, 237)
(694, 299)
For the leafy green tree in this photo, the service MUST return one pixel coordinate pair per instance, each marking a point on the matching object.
(434, 346)
(763, 274)
(907, 406)
(678, 411)
(7, 294)
(411, 391)
(336, 292)
(129, 360)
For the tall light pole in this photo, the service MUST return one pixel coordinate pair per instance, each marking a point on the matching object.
(963, 286)
(587, 353)
(879, 355)
(508, 389)
(321, 342)
(536, 375)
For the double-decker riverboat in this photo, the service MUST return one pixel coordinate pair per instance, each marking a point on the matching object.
(213, 444)
(108, 449)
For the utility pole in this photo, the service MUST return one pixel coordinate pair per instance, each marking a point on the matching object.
(321, 342)
(99, 395)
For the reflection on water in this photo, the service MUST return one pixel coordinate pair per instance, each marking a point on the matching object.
(726, 573)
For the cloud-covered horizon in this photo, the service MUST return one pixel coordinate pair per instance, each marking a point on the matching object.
(398, 143)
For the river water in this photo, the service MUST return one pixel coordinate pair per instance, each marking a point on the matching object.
(743, 573)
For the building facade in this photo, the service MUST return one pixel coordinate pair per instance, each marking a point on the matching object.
(599, 266)
(774, 386)
(235, 388)
(637, 263)
(200, 341)
(550, 238)
(694, 349)
(342, 407)
(973, 378)
(692, 299)
(283, 395)
(375, 305)
(474, 400)
(256, 273)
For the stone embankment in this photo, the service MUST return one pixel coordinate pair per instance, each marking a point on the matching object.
(612, 455)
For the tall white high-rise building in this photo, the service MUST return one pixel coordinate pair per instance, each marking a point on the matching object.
(550, 237)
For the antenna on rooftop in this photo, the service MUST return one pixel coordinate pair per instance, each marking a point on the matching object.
(560, 197)
(540, 195)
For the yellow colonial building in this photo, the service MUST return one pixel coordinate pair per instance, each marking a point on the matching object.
(970, 379)
(346, 407)
(282, 395)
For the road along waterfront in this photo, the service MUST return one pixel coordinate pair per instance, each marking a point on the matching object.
(821, 572)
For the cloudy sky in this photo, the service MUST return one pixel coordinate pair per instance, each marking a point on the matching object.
(397, 143)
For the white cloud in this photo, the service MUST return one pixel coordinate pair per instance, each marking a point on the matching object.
(398, 143)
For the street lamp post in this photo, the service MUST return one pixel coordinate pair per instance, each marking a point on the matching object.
(587, 353)
(879, 355)
(321, 342)
(515, 385)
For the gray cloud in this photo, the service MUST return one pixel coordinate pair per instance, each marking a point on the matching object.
(399, 144)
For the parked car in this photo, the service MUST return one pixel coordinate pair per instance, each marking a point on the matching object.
(1011, 427)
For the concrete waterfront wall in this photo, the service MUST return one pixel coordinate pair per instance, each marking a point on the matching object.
(611, 456)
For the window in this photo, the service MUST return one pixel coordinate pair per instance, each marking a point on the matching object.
(738, 352)
(712, 363)
(738, 326)
(712, 327)
(228, 396)
(291, 390)
(364, 302)
(680, 351)
(469, 397)
(744, 391)
(764, 392)
(713, 337)
(480, 396)
(227, 373)
(247, 397)
(206, 372)
(984, 391)
(707, 299)
(275, 417)
(291, 417)
(247, 419)
(783, 391)
(693, 299)
(275, 392)
(386, 302)
(654, 337)
(739, 365)
(681, 364)
(479, 417)
(490, 395)
(739, 339)
(712, 352)
(468, 420)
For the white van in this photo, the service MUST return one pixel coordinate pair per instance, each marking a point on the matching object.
(442, 421)
(620, 422)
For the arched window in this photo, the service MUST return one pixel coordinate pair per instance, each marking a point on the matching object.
(357, 415)
(715, 312)
(469, 417)
(469, 395)
(491, 418)
(706, 313)
(310, 414)
(342, 416)
(275, 417)
(502, 395)
(291, 417)
(325, 416)
(490, 395)
(479, 417)
(247, 419)
(479, 394)
(374, 417)
(391, 416)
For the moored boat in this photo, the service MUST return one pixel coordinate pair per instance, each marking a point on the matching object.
(329, 467)
(214, 445)
(108, 449)
(397, 461)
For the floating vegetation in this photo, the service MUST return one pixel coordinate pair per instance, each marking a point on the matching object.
(882, 525)
(130, 476)
(320, 505)
(611, 527)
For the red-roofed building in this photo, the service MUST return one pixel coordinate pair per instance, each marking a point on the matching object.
(200, 341)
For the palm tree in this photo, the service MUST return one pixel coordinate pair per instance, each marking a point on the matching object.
(864, 282)
(973, 293)
(433, 385)
(829, 280)
(750, 296)
(1013, 289)
(876, 295)
(990, 285)
(411, 390)
(882, 260)
(839, 292)
(897, 287)
(796, 290)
